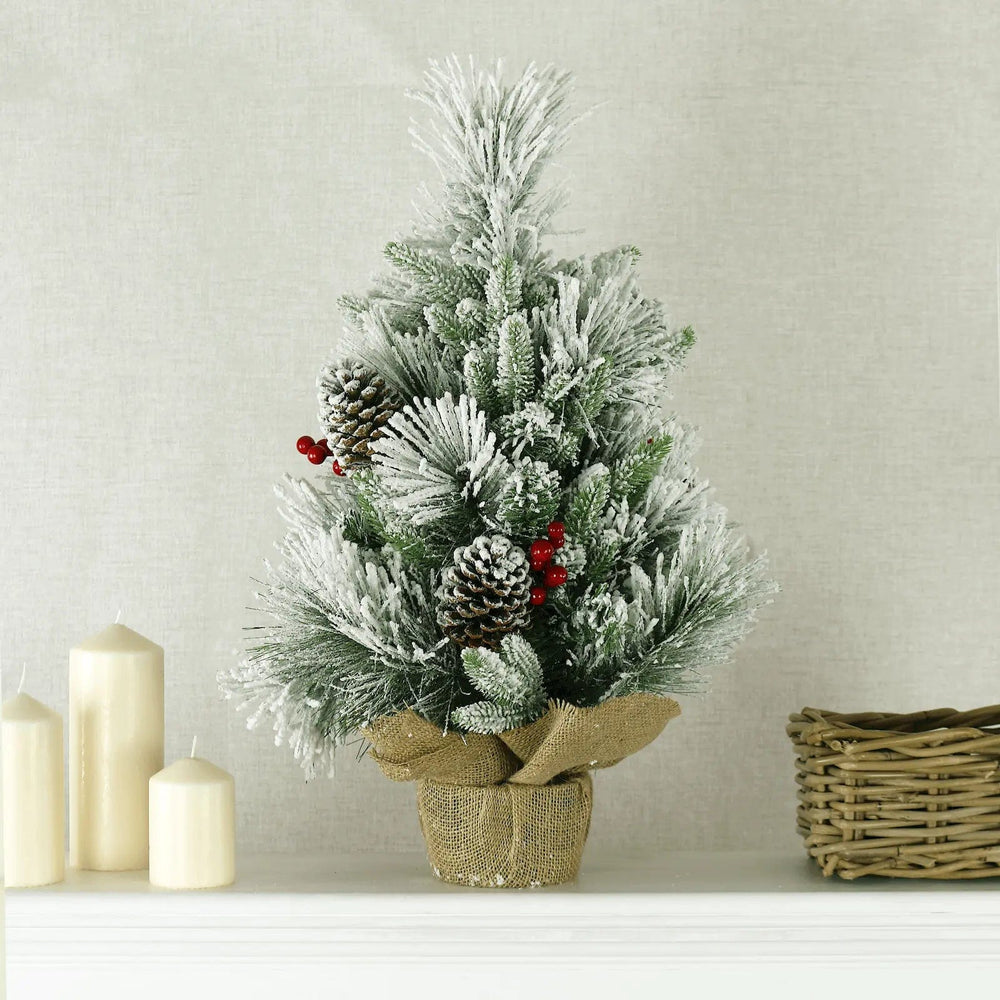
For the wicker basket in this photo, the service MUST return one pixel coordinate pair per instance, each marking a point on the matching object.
(909, 796)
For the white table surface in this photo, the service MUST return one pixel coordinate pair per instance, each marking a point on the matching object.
(316, 925)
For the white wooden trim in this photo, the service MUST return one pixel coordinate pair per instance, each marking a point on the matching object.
(313, 926)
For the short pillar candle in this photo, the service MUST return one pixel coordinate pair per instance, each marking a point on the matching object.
(33, 812)
(192, 826)
(115, 747)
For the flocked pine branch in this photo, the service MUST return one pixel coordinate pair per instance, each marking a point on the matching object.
(348, 639)
(490, 143)
(691, 611)
(511, 683)
(440, 462)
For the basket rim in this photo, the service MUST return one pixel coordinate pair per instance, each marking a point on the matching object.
(822, 725)
(942, 718)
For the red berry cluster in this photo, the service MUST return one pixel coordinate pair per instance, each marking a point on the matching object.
(540, 556)
(317, 452)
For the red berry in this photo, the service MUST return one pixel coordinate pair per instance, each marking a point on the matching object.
(538, 595)
(337, 470)
(555, 575)
(304, 443)
(556, 530)
(322, 443)
(649, 440)
(558, 543)
(316, 455)
(540, 552)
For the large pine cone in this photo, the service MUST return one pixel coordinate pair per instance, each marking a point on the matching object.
(354, 405)
(484, 595)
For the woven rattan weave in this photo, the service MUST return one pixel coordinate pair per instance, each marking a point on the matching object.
(908, 796)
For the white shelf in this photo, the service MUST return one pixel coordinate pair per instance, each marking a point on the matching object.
(313, 926)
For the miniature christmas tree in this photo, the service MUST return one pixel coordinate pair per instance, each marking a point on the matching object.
(508, 517)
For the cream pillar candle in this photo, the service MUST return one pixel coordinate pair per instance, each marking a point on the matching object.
(115, 747)
(192, 826)
(33, 811)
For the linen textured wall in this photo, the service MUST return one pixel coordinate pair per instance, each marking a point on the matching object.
(815, 187)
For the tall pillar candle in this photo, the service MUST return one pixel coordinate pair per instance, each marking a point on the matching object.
(192, 826)
(115, 747)
(34, 815)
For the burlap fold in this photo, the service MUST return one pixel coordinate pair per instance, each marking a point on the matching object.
(513, 809)
(407, 747)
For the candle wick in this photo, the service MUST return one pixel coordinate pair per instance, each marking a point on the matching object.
(194, 743)
(24, 671)
(118, 617)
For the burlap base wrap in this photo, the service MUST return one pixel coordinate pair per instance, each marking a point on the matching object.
(513, 809)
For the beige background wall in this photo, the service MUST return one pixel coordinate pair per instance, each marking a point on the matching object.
(185, 188)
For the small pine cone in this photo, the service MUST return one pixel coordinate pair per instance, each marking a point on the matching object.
(484, 595)
(354, 405)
